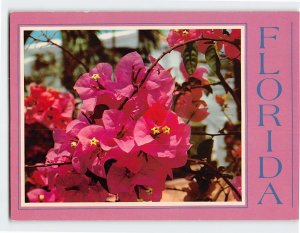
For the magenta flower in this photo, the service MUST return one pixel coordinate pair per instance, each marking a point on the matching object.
(74, 187)
(39, 177)
(180, 36)
(145, 185)
(231, 51)
(97, 88)
(40, 195)
(67, 140)
(48, 107)
(53, 156)
(189, 105)
(90, 152)
(120, 128)
(160, 133)
(94, 84)
(129, 72)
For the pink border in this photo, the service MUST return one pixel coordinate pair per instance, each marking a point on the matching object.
(286, 137)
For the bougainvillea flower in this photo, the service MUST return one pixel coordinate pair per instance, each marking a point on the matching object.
(129, 71)
(189, 106)
(58, 157)
(209, 37)
(133, 161)
(36, 90)
(146, 185)
(230, 47)
(159, 86)
(94, 84)
(39, 177)
(67, 140)
(220, 99)
(179, 36)
(91, 152)
(231, 51)
(183, 35)
(227, 46)
(120, 128)
(160, 133)
(74, 187)
(40, 195)
(125, 132)
(49, 107)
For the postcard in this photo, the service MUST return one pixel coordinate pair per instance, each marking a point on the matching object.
(154, 116)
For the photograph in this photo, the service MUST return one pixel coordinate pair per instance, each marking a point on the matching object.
(138, 115)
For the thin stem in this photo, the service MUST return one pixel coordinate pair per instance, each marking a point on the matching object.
(225, 179)
(195, 132)
(222, 189)
(87, 118)
(229, 89)
(223, 40)
(192, 115)
(206, 85)
(47, 165)
(226, 115)
(48, 40)
(175, 189)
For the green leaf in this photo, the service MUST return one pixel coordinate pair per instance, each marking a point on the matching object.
(190, 57)
(204, 149)
(212, 59)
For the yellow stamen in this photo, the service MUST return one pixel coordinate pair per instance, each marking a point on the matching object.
(155, 130)
(149, 190)
(94, 141)
(73, 144)
(140, 200)
(41, 197)
(95, 77)
(185, 32)
(166, 130)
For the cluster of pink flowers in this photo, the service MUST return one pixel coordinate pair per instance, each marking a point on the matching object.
(49, 107)
(124, 142)
(225, 39)
(126, 139)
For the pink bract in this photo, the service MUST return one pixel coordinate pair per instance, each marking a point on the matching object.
(49, 107)
(74, 187)
(160, 133)
(40, 195)
(146, 185)
(210, 37)
(189, 106)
